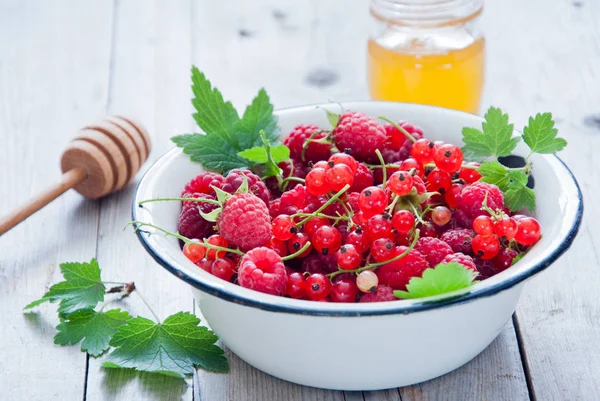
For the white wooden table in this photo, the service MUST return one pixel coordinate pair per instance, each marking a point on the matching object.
(66, 63)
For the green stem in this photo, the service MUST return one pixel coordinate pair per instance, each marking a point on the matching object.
(399, 128)
(376, 265)
(380, 157)
(326, 216)
(285, 180)
(417, 214)
(214, 202)
(329, 202)
(297, 253)
(148, 306)
(390, 208)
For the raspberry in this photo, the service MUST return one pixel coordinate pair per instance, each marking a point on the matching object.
(245, 221)
(459, 240)
(235, 178)
(191, 223)
(361, 134)
(486, 268)
(262, 269)
(462, 220)
(202, 183)
(462, 259)
(294, 200)
(317, 263)
(398, 141)
(314, 151)
(383, 293)
(275, 208)
(362, 178)
(472, 196)
(434, 249)
(398, 273)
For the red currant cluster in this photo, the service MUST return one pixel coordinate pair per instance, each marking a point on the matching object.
(362, 222)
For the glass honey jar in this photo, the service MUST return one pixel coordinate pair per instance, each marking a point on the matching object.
(427, 51)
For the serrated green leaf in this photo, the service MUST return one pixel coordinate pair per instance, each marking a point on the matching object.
(171, 348)
(81, 289)
(257, 117)
(258, 154)
(94, 328)
(495, 139)
(36, 303)
(518, 196)
(494, 173)
(214, 153)
(444, 278)
(332, 117)
(540, 135)
(518, 176)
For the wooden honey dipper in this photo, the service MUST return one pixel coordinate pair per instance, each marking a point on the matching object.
(101, 159)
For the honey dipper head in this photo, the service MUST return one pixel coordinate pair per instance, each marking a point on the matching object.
(111, 151)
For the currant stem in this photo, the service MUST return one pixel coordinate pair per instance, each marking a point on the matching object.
(285, 180)
(326, 216)
(148, 306)
(399, 128)
(390, 208)
(297, 253)
(417, 214)
(380, 157)
(324, 206)
(213, 202)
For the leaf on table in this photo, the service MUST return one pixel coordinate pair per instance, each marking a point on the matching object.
(495, 138)
(540, 135)
(94, 328)
(171, 348)
(444, 278)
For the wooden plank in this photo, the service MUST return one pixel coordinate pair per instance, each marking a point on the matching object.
(150, 82)
(54, 62)
(551, 65)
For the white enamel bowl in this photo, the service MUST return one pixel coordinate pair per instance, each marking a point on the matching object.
(361, 346)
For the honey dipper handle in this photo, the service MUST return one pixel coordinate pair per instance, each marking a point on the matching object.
(67, 181)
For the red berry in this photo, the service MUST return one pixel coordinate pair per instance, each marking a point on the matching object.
(483, 225)
(372, 200)
(216, 240)
(338, 176)
(314, 223)
(316, 182)
(379, 226)
(448, 158)
(317, 287)
(469, 175)
(223, 268)
(506, 227)
(363, 178)
(360, 134)
(261, 269)
(441, 215)
(344, 290)
(295, 285)
(403, 221)
(203, 183)
(194, 251)
(278, 246)
(428, 230)
(400, 183)
(297, 242)
(504, 259)
(422, 151)
(235, 179)
(433, 249)
(383, 249)
(398, 141)
(438, 181)
(486, 247)
(411, 163)
(529, 231)
(459, 239)
(344, 158)
(381, 293)
(398, 273)
(205, 264)
(359, 239)
(452, 195)
(326, 240)
(245, 221)
(348, 257)
(283, 227)
(303, 149)
(472, 197)
(191, 224)
(462, 259)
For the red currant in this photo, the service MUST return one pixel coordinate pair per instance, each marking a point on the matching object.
(504, 259)
(321, 164)
(194, 251)
(422, 151)
(216, 240)
(428, 230)
(379, 226)
(278, 246)
(359, 239)
(360, 218)
(452, 195)
(383, 249)
(297, 242)
(367, 281)
(486, 247)
(317, 287)
(469, 175)
(438, 181)
(448, 158)
(411, 163)
(403, 221)
(348, 257)
(295, 285)
(506, 227)
(529, 231)
(483, 225)
(441, 215)
(372, 200)
(316, 182)
(338, 176)
(311, 225)
(327, 239)
(344, 290)
(283, 227)
(400, 183)
(205, 264)
(344, 158)
(223, 268)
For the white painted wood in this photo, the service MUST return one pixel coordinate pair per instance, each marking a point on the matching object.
(150, 82)
(54, 62)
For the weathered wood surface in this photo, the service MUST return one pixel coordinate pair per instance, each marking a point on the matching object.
(66, 64)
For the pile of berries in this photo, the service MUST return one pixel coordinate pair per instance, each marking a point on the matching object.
(365, 208)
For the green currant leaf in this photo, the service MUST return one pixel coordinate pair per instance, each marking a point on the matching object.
(171, 348)
(495, 138)
(94, 328)
(540, 135)
(518, 176)
(518, 196)
(279, 153)
(332, 117)
(444, 278)
(494, 173)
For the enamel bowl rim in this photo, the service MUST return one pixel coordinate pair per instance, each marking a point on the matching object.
(236, 294)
